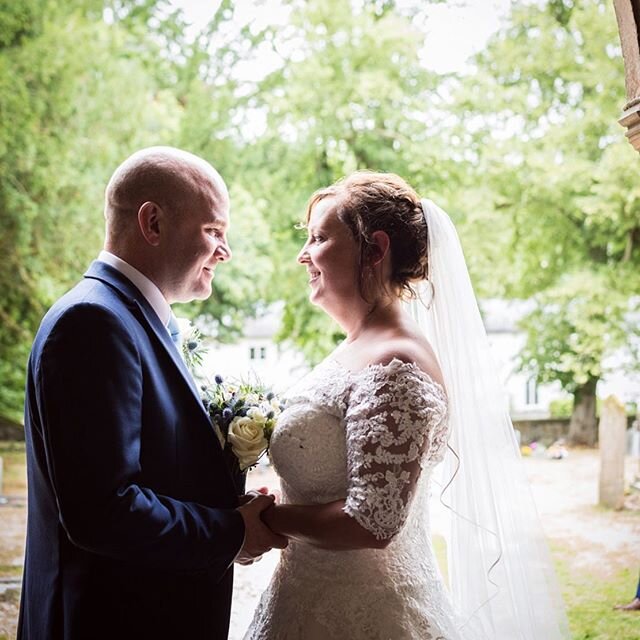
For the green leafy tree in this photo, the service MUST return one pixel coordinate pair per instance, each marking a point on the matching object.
(556, 197)
(576, 327)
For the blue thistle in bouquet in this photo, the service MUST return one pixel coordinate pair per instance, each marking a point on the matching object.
(243, 416)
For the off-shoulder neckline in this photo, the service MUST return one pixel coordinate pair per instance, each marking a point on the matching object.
(395, 363)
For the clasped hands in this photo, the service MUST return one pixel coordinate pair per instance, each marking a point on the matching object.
(258, 537)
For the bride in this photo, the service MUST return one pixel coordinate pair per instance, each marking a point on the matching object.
(404, 408)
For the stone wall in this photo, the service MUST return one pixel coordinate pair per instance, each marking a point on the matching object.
(544, 430)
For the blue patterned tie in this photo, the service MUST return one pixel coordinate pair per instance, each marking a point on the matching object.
(174, 330)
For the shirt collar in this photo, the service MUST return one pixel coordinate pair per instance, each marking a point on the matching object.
(148, 289)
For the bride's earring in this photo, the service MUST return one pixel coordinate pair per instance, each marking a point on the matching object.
(426, 294)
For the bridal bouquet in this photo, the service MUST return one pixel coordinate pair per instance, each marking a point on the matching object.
(243, 416)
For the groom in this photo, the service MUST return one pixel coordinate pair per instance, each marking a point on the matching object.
(133, 522)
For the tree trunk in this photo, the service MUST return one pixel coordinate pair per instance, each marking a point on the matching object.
(583, 427)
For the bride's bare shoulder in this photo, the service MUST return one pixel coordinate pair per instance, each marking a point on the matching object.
(407, 348)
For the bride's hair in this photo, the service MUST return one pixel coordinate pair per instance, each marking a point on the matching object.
(367, 201)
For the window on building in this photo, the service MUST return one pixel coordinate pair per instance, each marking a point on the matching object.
(531, 391)
(256, 353)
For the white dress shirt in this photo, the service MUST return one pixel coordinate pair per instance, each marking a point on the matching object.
(149, 290)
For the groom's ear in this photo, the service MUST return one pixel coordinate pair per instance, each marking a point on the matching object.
(149, 215)
(379, 246)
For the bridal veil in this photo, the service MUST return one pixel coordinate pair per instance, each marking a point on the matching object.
(500, 572)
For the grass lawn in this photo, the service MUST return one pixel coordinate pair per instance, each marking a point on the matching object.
(590, 599)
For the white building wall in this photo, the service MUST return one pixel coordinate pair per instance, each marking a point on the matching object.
(524, 398)
(258, 357)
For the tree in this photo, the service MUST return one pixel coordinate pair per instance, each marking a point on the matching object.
(556, 198)
(68, 115)
(576, 326)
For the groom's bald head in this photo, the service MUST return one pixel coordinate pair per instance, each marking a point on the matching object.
(166, 176)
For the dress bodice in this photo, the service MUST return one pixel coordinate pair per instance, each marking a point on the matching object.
(364, 436)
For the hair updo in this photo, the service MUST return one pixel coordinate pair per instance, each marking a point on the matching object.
(366, 202)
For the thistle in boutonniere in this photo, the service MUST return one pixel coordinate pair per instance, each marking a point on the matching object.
(193, 349)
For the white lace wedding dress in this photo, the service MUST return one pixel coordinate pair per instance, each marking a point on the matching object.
(365, 437)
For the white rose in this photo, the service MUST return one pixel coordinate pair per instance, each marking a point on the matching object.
(247, 440)
(256, 415)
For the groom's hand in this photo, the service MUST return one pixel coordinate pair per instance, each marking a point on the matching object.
(258, 537)
(250, 495)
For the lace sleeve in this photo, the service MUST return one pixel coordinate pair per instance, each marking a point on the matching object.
(396, 424)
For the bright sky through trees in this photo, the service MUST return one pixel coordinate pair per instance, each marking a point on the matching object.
(454, 30)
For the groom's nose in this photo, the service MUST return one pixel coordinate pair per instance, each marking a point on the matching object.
(223, 252)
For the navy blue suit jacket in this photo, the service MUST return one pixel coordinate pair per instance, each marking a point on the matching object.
(132, 528)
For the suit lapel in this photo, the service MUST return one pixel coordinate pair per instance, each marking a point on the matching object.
(141, 308)
(162, 334)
